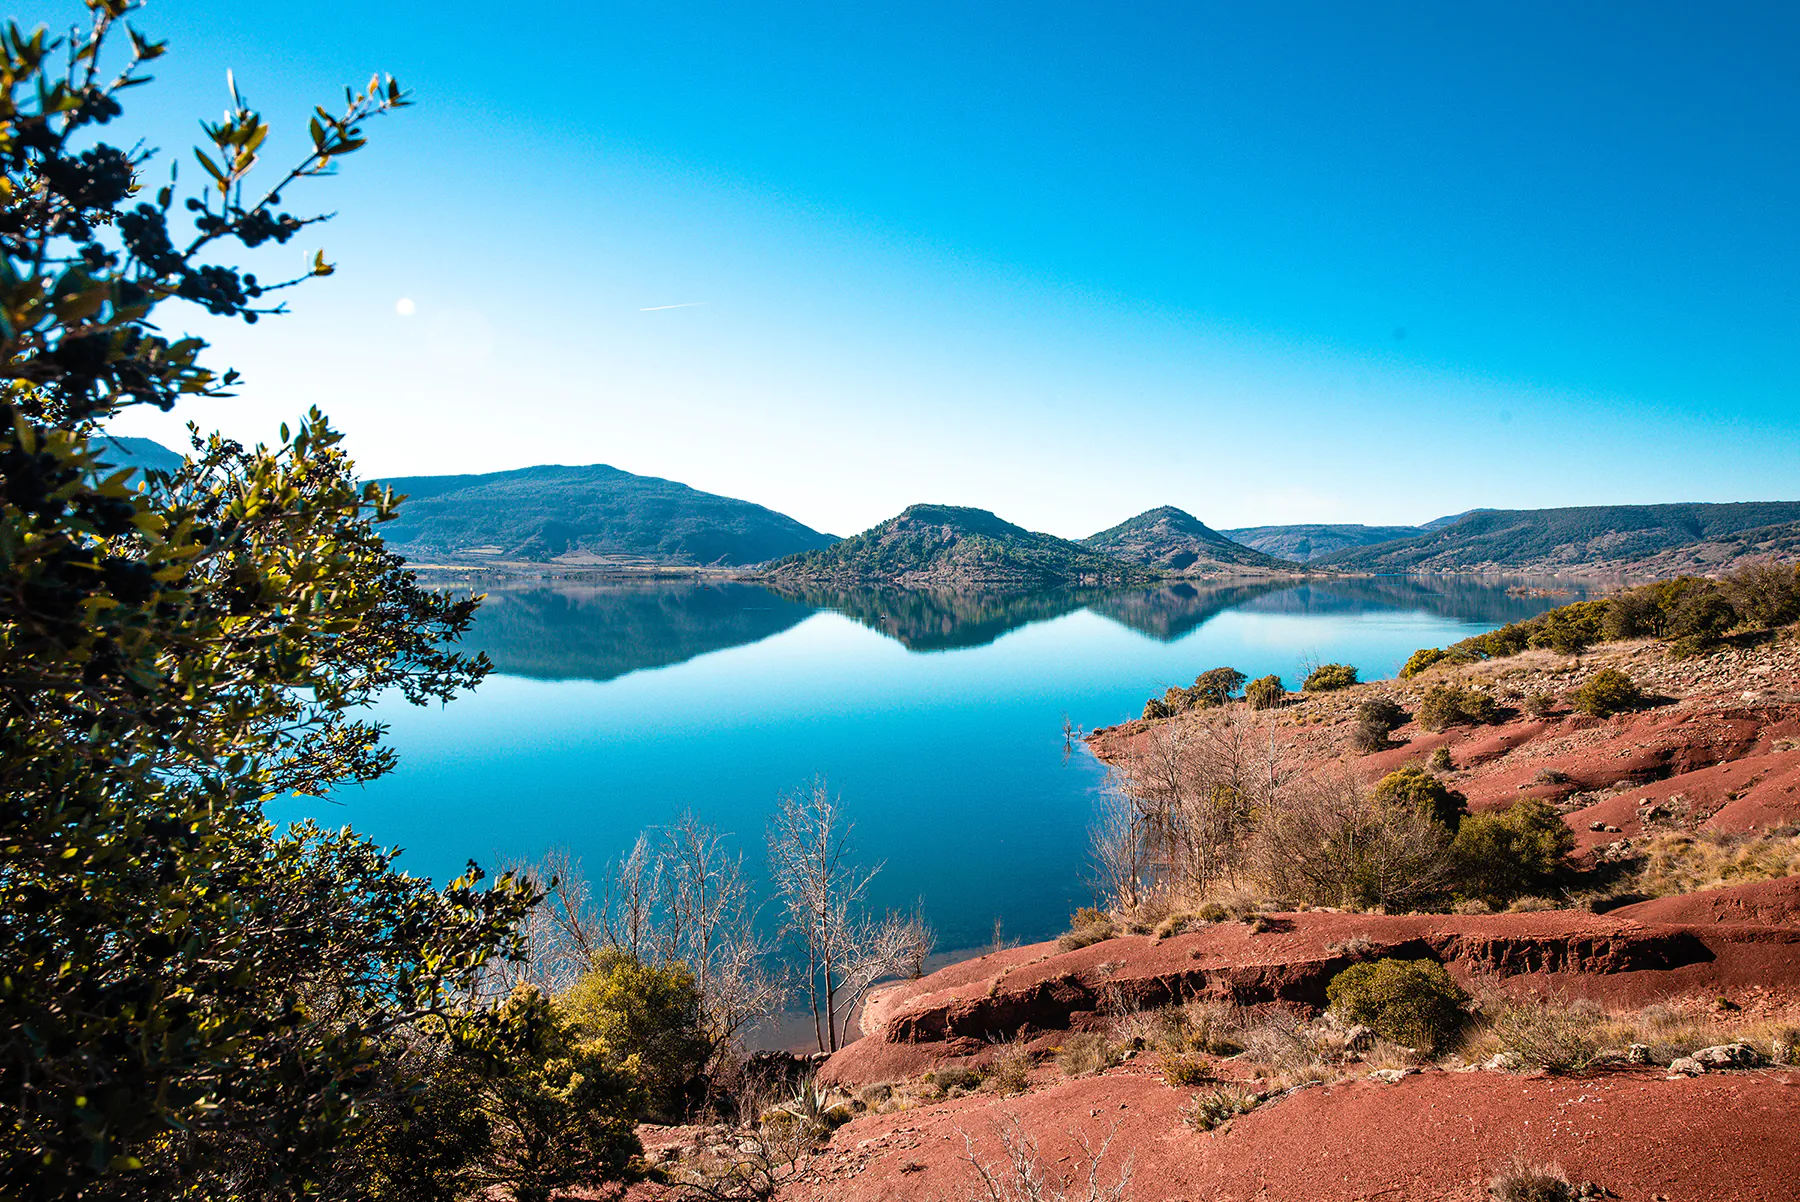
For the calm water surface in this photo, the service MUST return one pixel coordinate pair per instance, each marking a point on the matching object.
(939, 718)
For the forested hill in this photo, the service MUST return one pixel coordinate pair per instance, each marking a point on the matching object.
(1175, 541)
(1589, 538)
(1305, 543)
(586, 514)
(951, 546)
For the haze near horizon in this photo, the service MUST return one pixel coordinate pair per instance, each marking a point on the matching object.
(1062, 264)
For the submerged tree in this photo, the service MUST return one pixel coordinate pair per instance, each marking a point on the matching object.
(191, 1000)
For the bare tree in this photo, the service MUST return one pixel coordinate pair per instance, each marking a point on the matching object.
(562, 932)
(823, 894)
(1118, 843)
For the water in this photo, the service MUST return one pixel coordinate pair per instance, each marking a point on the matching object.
(939, 718)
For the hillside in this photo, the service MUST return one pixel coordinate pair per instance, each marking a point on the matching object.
(1171, 540)
(1596, 538)
(137, 453)
(594, 514)
(1303, 544)
(954, 547)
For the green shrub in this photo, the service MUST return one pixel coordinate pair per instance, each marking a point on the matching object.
(1265, 693)
(1411, 1002)
(643, 1020)
(1326, 677)
(1765, 594)
(1156, 708)
(1447, 705)
(1423, 793)
(1439, 760)
(1702, 619)
(1607, 692)
(1570, 629)
(1420, 660)
(1375, 721)
(1516, 852)
(1216, 686)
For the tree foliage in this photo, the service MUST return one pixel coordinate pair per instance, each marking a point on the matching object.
(188, 991)
(1521, 851)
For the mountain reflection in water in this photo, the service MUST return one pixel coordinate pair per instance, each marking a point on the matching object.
(604, 630)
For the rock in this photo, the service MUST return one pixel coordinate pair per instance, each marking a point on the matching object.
(1596, 826)
(1504, 1062)
(1638, 1053)
(1390, 1075)
(1728, 1055)
(1686, 1066)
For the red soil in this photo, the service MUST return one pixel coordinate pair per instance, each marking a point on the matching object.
(1433, 1135)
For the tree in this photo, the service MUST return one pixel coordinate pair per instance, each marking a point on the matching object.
(188, 992)
(643, 1020)
(823, 895)
(1424, 793)
(1516, 852)
(1265, 693)
(1216, 686)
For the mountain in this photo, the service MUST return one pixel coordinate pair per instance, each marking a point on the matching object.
(136, 453)
(948, 546)
(595, 514)
(1303, 544)
(1171, 540)
(1593, 538)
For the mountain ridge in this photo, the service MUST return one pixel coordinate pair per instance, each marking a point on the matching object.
(1171, 540)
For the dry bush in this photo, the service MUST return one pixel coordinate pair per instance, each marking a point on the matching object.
(1020, 1174)
(1355, 947)
(1329, 842)
(1215, 1107)
(1524, 1181)
(1559, 1037)
(1186, 1068)
(951, 1077)
(1215, 1028)
(1009, 1072)
(1683, 863)
(1085, 1053)
(1087, 926)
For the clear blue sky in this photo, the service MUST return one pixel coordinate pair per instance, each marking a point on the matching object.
(1270, 263)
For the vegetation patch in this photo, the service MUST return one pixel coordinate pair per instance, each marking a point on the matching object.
(1411, 1002)
(1329, 677)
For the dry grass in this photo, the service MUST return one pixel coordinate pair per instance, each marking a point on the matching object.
(1010, 1070)
(1686, 863)
(1086, 1053)
(1564, 1037)
(1525, 1181)
(1182, 1069)
(1216, 1107)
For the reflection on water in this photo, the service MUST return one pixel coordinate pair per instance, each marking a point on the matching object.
(939, 717)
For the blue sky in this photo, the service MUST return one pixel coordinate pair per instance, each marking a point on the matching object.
(1270, 263)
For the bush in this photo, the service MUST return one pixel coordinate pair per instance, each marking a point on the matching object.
(1607, 692)
(643, 1020)
(1554, 1037)
(1420, 660)
(1570, 629)
(1010, 1071)
(1216, 686)
(1410, 1002)
(1156, 708)
(1439, 760)
(1519, 851)
(1186, 1069)
(1765, 594)
(955, 1076)
(1326, 677)
(1523, 1181)
(1420, 791)
(1540, 704)
(1087, 926)
(1447, 705)
(1702, 619)
(1209, 1110)
(1265, 693)
(1086, 1053)
(1375, 721)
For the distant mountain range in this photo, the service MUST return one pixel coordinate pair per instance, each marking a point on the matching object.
(1175, 542)
(600, 516)
(952, 546)
(587, 515)
(1591, 538)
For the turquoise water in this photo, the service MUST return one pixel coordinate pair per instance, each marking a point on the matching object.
(939, 719)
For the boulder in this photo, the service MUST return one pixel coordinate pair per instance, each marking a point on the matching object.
(1728, 1055)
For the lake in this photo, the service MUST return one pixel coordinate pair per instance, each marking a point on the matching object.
(940, 719)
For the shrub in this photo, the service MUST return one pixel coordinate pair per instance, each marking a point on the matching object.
(643, 1020)
(1765, 594)
(1540, 704)
(1156, 708)
(1411, 1002)
(1702, 619)
(1447, 705)
(1212, 911)
(1185, 1069)
(1524, 1181)
(1570, 629)
(1087, 926)
(1216, 686)
(1265, 693)
(1424, 793)
(1010, 1071)
(1420, 660)
(1206, 1111)
(1375, 721)
(1176, 700)
(1555, 1037)
(1330, 842)
(1439, 760)
(1607, 692)
(955, 1076)
(1183, 921)
(1326, 677)
(1504, 854)
(1086, 1053)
